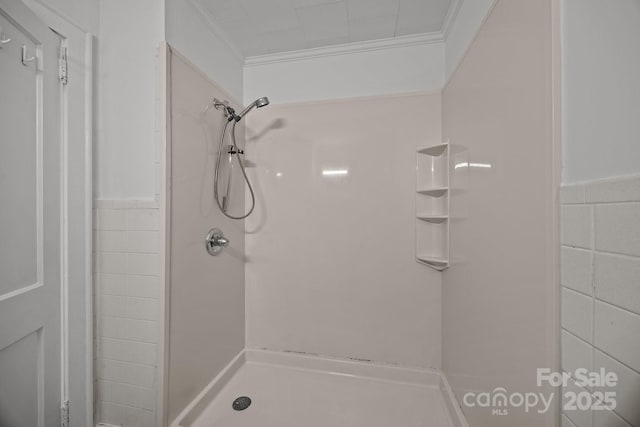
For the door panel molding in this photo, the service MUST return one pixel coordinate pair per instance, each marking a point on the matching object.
(78, 202)
(31, 126)
(76, 209)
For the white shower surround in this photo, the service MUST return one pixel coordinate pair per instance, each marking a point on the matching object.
(417, 329)
(330, 266)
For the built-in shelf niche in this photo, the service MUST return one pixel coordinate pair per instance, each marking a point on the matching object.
(432, 206)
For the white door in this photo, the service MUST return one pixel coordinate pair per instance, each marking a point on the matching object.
(30, 220)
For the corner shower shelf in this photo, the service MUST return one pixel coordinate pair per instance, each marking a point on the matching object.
(433, 150)
(433, 262)
(432, 206)
(434, 192)
(437, 219)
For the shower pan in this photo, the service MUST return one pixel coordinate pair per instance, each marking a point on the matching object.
(290, 390)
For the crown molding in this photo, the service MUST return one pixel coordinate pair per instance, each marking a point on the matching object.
(345, 49)
(451, 16)
(216, 30)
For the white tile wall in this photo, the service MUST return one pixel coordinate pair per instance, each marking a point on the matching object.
(578, 417)
(616, 280)
(608, 419)
(576, 271)
(628, 386)
(577, 226)
(577, 314)
(612, 233)
(127, 289)
(617, 332)
(576, 353)
(566, 422)
(601, 292)
(624, 190)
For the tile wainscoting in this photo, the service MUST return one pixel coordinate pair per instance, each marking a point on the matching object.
(601, 292)
(126, 298)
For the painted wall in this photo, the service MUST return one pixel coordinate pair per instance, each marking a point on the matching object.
(125, 147)
(601, 89)
(600, 298)
(330, 265)
(190, 32)
(83, 13)
(125, 156)
(600, 264)
(500, 294)
(207, 294)
(370, 69)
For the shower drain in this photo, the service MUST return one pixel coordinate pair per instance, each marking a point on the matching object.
(241, 403)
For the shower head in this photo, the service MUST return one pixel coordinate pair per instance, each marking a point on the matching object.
(259, 103)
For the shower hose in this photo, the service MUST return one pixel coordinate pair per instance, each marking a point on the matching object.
(235, 152)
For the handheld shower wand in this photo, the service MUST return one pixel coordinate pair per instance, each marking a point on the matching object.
(231, 116)
(258, 103)
(230, 112)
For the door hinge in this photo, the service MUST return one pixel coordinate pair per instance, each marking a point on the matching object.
(63, 67)
(64, 414)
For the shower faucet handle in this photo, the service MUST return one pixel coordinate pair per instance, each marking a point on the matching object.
(221, 241)
(216, 241)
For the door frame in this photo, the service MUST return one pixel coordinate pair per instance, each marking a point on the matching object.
(77, 215)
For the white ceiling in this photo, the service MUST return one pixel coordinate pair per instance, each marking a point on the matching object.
(259, 27)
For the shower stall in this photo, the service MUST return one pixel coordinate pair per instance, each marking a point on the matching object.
(300, 238)
(277, 324)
